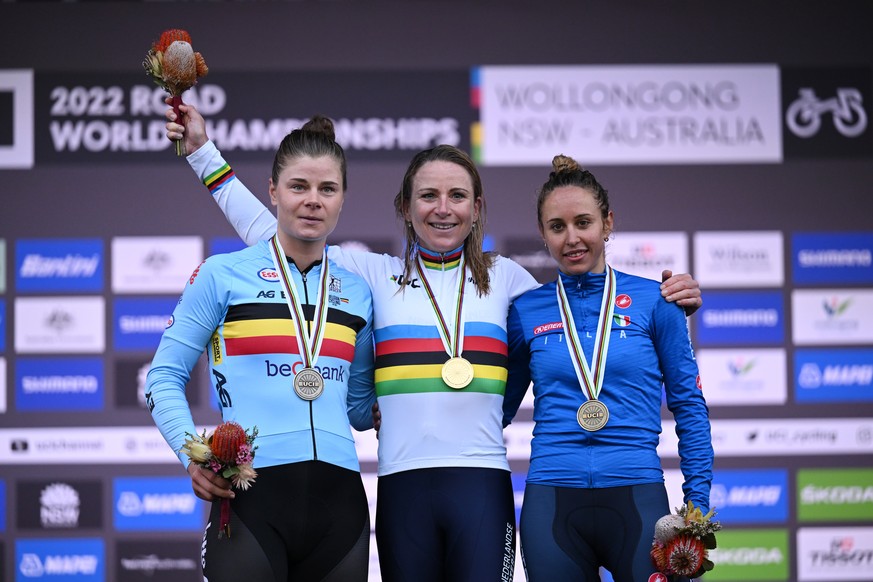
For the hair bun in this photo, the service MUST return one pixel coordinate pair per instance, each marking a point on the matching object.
(562, 163)
(320, 124)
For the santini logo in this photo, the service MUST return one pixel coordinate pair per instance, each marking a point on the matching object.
(69, 266)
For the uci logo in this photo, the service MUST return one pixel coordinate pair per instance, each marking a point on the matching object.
(268, 275)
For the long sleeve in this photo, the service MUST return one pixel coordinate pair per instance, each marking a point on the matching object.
(251, 220)
(685, 400)
(193, 322)
(362, 390)
(518, 379)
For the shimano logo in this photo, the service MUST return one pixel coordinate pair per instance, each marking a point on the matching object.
(836, 258)
(142, 323)
(741, 318)
(70, 266)
(59, 384)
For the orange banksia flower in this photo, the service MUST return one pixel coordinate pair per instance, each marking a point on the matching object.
(175, 67)
(229, 451)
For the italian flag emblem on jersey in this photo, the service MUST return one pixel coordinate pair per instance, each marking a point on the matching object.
(621, 320)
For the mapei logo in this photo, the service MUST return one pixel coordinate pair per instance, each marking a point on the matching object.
(79, 559)
(751, 496)
(834, 375)
(156, 503)
(269, 274)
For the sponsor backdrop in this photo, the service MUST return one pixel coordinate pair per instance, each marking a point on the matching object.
(747, 164)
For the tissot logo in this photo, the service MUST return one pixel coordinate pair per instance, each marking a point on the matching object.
(827, 112)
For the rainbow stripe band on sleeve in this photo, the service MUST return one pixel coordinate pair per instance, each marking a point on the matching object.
(219, 178)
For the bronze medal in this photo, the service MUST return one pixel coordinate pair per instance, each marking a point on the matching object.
(308, 384)
(457, 373)
(593, 415)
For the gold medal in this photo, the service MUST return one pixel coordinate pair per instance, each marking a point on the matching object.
(593, 415)
(457, 373)
(308, 384)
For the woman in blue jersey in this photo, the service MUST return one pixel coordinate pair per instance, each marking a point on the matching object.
(269, 317)
(598, 344)
(445, 506)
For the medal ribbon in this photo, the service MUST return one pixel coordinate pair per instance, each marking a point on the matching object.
(591, 385)
(453, 344)
(308, 344)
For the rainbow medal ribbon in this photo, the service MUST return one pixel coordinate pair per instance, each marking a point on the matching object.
(457, 372)
(308, 382)
(593, 414)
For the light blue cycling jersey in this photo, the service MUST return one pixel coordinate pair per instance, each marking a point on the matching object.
(234, 307)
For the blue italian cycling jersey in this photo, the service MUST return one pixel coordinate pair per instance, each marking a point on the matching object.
(649, 344)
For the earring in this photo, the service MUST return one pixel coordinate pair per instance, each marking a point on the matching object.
(409, 225)
(474, 225)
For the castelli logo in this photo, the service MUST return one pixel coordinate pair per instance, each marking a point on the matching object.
(623, 301)
(268, 275)
(699, 383)
(657, 577)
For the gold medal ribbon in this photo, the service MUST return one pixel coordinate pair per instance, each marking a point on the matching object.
(309, 344)
(591, 384)
(453, 344)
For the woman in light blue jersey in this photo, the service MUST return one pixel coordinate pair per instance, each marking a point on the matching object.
(288, 337)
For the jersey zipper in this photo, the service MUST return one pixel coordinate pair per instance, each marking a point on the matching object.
(309, 331)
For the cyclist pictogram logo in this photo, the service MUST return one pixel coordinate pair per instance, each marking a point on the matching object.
(804, 115)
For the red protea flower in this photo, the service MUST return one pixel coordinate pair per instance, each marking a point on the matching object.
(226, 441)
(168, 37)
(659, 558)
(685, 554)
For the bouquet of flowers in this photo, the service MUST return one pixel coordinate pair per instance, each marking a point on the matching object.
(175, 67)
(683, 540)
(229, 451)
